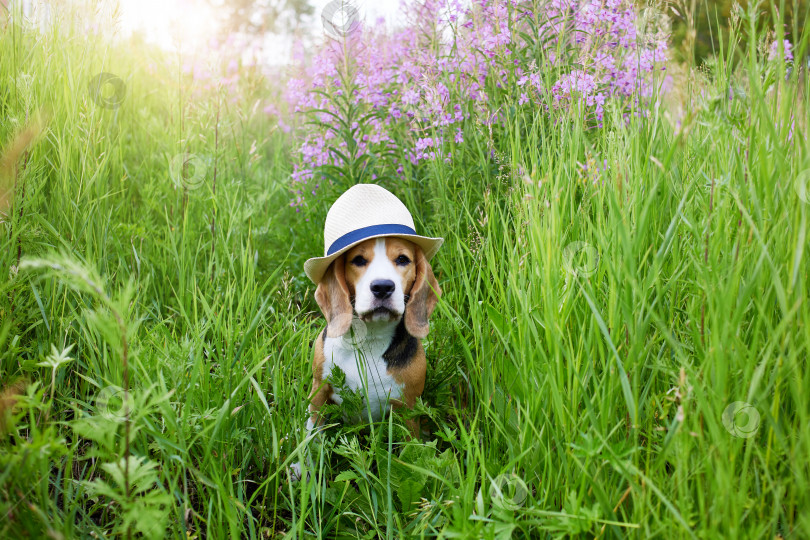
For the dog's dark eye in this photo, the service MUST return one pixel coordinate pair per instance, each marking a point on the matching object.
(402, 260)
(359, 261)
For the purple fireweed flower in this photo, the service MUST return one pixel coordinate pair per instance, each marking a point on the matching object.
(417, 86)
(774, 51)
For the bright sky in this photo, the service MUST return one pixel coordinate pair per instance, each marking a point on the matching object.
(192, 21)
(167, 21)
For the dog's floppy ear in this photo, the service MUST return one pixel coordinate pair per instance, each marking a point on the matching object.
(424, 294)
(332, 296)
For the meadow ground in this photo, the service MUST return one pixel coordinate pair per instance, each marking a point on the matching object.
(620, 350)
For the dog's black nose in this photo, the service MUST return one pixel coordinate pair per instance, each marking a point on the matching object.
(382, 288)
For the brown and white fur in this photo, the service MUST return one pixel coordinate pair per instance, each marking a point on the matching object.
(384, 290)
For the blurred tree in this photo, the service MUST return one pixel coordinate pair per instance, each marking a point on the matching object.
(261, 16)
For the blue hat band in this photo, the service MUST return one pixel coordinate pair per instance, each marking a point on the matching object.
(367, 232)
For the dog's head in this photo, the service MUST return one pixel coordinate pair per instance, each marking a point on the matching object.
(381, 279)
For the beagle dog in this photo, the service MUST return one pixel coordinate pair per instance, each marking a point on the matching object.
(377, 298)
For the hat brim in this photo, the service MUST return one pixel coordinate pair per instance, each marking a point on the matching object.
(316, 267)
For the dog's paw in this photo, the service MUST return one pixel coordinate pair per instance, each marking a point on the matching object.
(295, 472)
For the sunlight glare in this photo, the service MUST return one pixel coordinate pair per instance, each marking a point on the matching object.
(186, 25)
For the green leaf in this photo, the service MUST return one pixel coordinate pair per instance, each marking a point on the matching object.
(346, 476)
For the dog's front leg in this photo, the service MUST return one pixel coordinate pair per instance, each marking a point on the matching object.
(318, 396)
(412, 423)
(412, 379)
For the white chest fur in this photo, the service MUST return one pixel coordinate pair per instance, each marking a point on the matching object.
(361, 360)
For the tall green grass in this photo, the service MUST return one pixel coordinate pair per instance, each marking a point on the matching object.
(595, 324)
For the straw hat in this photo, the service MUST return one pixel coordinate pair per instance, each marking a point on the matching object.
(365, 211)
